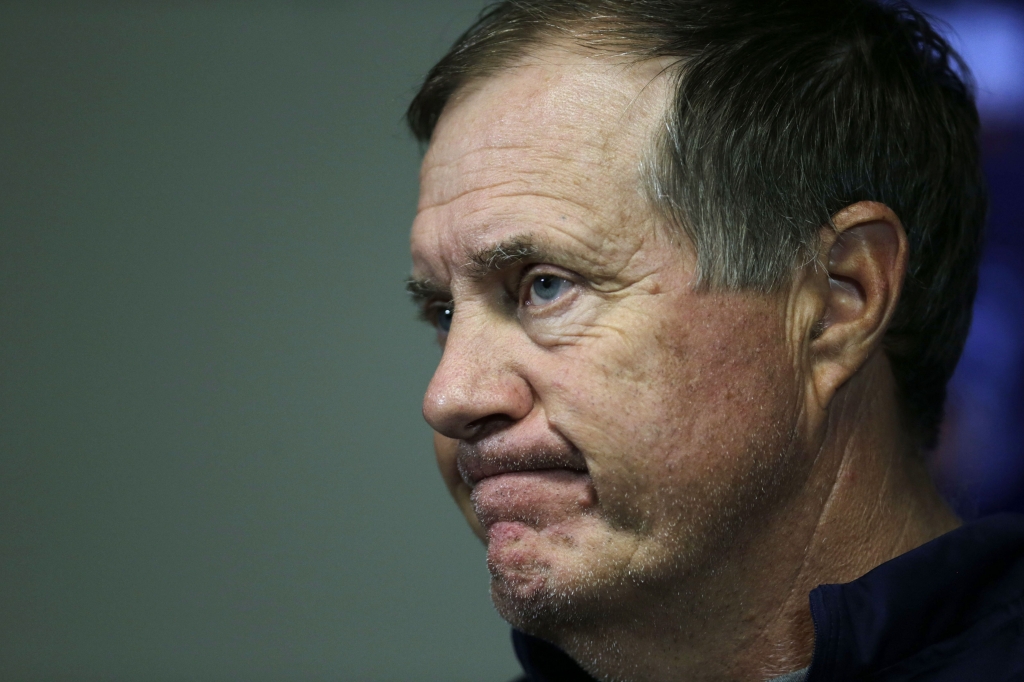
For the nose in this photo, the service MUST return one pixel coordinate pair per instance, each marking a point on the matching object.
(476, 389)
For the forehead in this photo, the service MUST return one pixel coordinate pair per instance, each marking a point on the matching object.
(557, 138)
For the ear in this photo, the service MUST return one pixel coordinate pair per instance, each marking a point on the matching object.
(865, 261)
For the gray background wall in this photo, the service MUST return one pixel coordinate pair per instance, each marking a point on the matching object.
(212, 463)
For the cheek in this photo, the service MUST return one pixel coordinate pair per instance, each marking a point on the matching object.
(445, 450)
(689, 402)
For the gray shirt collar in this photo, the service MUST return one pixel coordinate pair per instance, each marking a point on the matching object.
(798, 676)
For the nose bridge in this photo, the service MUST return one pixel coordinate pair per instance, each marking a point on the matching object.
(476, 379)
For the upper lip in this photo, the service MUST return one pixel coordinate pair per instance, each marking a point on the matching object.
(479, 461)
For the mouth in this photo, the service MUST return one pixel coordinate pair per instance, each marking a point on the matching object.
(537, 487)
(476, 463)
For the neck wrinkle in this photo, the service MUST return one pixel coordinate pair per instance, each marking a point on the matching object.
(879, 503)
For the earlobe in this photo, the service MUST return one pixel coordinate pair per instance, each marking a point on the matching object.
(865, 258)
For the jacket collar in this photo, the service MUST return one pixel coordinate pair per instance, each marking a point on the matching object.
(968, 579)
(972, 576)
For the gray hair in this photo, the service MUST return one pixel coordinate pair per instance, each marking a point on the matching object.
(784, 112)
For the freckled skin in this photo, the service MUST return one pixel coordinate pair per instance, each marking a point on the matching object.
(640, 373)
(694, 412)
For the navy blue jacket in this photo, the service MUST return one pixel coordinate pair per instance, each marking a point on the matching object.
(951, 610)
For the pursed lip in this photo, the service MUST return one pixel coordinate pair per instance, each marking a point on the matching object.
(477, 462)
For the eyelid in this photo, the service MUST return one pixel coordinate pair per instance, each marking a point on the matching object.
(428, 307)
(533, 272)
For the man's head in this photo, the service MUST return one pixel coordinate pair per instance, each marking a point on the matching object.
(664, 245)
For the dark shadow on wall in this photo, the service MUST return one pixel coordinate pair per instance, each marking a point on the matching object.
(980, 461)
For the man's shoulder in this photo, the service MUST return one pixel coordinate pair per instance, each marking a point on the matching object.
(952, 609)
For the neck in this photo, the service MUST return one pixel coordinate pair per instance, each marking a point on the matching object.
(866, 498)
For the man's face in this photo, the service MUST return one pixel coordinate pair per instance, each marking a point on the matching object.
(604, 426)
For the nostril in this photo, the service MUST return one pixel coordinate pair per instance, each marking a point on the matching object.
(487, 426)
(474, 393)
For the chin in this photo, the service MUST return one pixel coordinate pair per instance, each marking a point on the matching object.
(555, 581)
(532, 604)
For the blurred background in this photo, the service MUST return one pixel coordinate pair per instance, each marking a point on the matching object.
(212, 464)
(980, 463)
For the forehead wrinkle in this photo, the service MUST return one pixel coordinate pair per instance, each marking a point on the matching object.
(522, 187)
(526, 150)
(553, 133)
(559, 203)
(467, 218)
(593, 236)
(488, 169)
(553, 111)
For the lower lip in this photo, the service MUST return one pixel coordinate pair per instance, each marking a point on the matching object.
(536, 498)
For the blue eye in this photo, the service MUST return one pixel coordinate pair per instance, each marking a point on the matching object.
(443, 317)
(545, 289)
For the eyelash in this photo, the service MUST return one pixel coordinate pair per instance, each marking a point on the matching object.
(530, 277)
(430, 310)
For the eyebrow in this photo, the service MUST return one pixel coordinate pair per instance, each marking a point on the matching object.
(505, 254)
(424, 290)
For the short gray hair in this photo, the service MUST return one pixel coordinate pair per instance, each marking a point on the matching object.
(785, 112)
